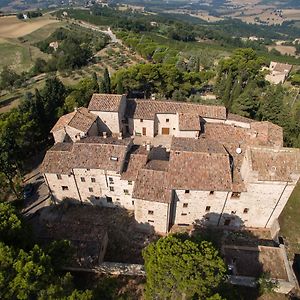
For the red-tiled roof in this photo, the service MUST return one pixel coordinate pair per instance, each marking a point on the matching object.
(105, 102)
(80, 119)
(146, 109)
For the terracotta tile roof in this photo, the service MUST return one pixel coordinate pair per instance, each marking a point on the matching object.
(237, 160)
(81, 119)
(58, 159)
(62, 122)
(105, 141)
(146, 109)
(282, 68)
(105, 102)
(268, 133)
(89, 155)
(189, 121)
(226, 133)
(237, 118)
(136, 160)
(275, 164)
(102, 156)
(199, 165)
(197, 145)
(151, 185)
(260, 133)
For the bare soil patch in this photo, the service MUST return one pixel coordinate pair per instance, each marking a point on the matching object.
(11, 27)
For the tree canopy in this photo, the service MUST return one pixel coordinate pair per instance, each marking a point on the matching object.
(178, 268)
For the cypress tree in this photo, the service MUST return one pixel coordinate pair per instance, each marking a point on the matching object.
(227, 92)
(106, 82)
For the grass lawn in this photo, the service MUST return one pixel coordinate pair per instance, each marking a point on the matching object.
(14, 55)
(290, 223)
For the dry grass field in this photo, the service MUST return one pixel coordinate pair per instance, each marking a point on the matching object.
(284, 50)
(11, 27)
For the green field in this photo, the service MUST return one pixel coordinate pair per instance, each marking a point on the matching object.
(19, 53)
(290, 223)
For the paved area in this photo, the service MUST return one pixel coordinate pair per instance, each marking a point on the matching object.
(159, 140)
(40, 197)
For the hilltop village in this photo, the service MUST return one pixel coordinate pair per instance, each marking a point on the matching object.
(172, 163)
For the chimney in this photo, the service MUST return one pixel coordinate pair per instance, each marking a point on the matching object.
(148, 146)
(104, 135)
(120, 136)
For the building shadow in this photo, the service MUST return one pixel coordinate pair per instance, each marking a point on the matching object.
(126, 237)
(247, 255)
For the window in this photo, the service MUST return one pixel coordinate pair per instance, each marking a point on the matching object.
(111, 180)
(91, 190)
(185, 205)
(167, 120)
(97, 198)
(211, 192)
(126, 192)
(129, 182)
(246, 210)
(183, 214)
(58, 176)
(141, 120)
(108, 199)
(207, 208)
(132, 202)
(150, 212)
(111, 188)
(187, 191)
(93, 179)
(88, 169)
(235, 195)
(82, 179)
(65, 188)
(233, 212)
(150, 221)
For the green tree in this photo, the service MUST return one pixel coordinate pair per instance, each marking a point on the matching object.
(8, 78)
(227, 92)
(12, 229)
(179, 268)
(105, 85)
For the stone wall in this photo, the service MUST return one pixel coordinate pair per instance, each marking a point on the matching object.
(152, 214)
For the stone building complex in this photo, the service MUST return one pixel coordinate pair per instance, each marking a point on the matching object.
(172, 163)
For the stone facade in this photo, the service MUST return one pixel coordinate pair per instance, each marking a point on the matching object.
(231, 172)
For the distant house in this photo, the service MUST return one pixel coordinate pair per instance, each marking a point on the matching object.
(278, 72)
(54, 45)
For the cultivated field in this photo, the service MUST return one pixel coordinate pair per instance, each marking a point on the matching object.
(284, 50)
(11, 27)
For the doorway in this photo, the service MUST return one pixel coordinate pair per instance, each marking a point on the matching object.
(165, 131)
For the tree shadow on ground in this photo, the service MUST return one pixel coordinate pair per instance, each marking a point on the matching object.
(126, 237)
(241, 251)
